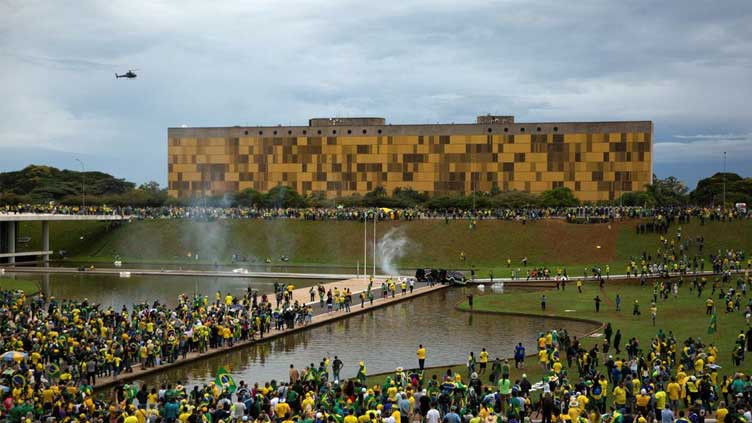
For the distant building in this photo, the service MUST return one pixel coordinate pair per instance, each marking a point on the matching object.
(343, 156)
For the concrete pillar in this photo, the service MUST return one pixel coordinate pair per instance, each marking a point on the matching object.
(46, 242)
(46, 286)
(3, 238)
(11, 230)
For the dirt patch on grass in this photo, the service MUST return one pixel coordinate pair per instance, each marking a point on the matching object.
(571, 243)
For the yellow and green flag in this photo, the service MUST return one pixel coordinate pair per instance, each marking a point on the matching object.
(712, 325)
(224, 379)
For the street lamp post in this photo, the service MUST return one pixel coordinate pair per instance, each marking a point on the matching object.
(724, 180)
(83, 185)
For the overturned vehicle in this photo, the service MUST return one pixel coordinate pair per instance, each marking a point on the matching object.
(440, 276)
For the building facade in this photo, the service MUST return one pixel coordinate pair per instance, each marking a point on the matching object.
(344, 156)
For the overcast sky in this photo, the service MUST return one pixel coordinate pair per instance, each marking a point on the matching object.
(685, 65)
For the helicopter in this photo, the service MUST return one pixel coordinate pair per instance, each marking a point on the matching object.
(130, 74)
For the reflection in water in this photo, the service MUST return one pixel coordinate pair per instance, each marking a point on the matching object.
(112, 290)
(385, 338)
(278, 267)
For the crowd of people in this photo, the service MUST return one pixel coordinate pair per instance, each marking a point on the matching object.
(657, 216)
(57, 350)
(62, 347)
(58, 347)
(69, 344)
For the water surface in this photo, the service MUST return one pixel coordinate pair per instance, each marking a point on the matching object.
(384, 338)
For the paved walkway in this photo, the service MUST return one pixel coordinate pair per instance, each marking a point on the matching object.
(320, 317)
(522, 281)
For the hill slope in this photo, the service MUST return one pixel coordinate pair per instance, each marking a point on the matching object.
(340, 243)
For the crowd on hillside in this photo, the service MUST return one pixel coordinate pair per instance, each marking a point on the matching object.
(676, 255)
(575, 214)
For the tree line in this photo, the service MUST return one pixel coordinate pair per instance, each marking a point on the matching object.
(43, 184)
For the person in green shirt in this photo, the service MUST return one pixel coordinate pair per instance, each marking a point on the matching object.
(505, 389)
(19, 411)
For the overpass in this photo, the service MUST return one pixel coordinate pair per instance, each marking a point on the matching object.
(9, 232)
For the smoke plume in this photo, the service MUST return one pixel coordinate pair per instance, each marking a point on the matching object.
(392, 247)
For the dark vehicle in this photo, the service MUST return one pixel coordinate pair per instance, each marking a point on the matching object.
(130, 75)
(440, 276)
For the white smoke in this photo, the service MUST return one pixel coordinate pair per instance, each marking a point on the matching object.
(392, 247)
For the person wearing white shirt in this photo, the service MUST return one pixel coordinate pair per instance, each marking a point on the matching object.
(433, 415)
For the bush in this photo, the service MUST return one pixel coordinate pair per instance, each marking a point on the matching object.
(559, 197)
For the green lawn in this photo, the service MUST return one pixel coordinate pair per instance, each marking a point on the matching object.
(685, 316)
(28, 286)
(433, 243)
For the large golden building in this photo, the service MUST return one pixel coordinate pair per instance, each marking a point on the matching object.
(343, 156)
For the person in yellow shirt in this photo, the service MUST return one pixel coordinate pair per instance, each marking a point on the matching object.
(227, 335)
(483, 360)
(642, 400)
(582, 401)
(620, 396)
(152, 399)
(660, 400)
(391, 392)
(421, 353)
(721, 412)
(282, 410)
(712, 353)
(574, 410)
(543, 360)
(541, 342)
(699, 365)
(185, 413)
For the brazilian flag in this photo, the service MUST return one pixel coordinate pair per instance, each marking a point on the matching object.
(712, 325)
(225, 380)
(53, 370)
(18, 381)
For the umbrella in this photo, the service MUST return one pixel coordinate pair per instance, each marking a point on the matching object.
(13, 356)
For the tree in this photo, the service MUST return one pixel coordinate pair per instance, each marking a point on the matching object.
(709, 191)
(283, 196)
(636, 198)
(151, 186)
(408, 197)
(249, 197)
(668, 192)
(319, 199)
(514, 199)
(559, 197)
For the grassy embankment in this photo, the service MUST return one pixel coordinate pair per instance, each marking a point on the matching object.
(432, 243)
(684, 315)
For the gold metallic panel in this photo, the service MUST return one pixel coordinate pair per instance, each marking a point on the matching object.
(595, 165)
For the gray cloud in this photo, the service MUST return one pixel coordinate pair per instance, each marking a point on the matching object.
(685, 65)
